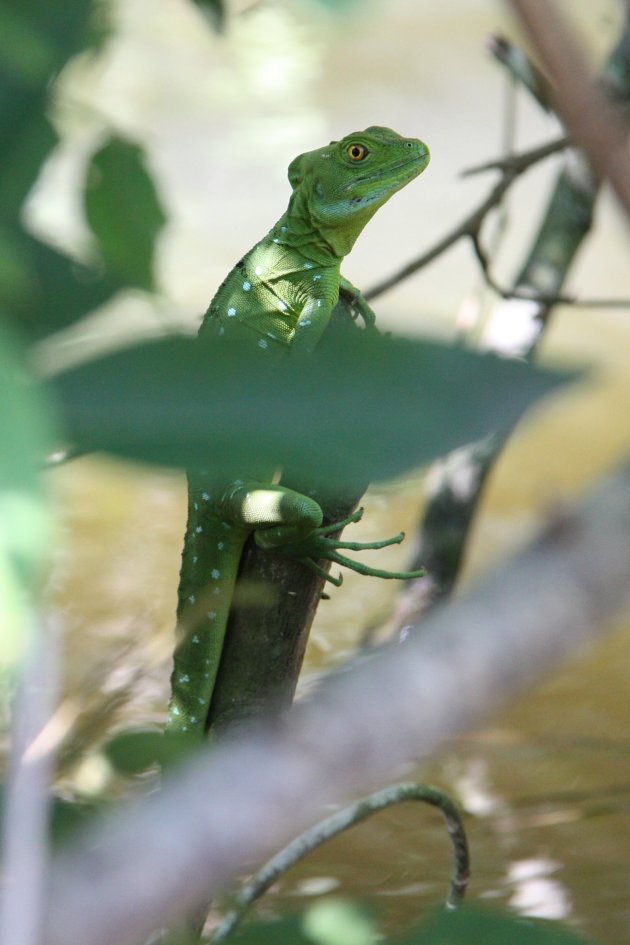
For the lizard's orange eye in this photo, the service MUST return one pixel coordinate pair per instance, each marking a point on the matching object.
(357, 152)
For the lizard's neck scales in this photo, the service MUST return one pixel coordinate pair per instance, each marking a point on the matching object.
(322, 242)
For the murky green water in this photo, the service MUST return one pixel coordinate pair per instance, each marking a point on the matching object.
(546, 784)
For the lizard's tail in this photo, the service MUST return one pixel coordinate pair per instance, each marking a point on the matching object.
(212, 551)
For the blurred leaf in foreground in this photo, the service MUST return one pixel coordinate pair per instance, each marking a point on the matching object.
(54, 290)
(124, 212)
(37, 37)
(215, 11)
(40, 289)
(469, 925)
(135, 751)
(328, 922)
(339, 922)
(25, 435)
(366, 407)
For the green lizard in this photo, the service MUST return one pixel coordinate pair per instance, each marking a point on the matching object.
(280, 297)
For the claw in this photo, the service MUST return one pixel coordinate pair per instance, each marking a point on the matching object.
(319, 547)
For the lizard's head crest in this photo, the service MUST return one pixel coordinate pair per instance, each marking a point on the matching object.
(343, 184)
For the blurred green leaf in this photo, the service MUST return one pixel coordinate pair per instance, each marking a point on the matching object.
(37, 37)
(330, 921)
(124, 212)
(364, 407)
(25, 434)
(65, 816)
(52, 290)
(215, 12)
(339, 922)
(276, 932)
(133, 752)
(470, 925)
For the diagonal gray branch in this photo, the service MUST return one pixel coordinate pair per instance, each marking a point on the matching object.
(142, 867)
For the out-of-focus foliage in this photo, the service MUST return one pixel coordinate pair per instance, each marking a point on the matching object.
(371, 408)
(337, 922)
(25, 434)
(124, 212)
(368, 407)
(42, 290)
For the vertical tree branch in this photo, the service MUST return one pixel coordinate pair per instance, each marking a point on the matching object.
(266, 638)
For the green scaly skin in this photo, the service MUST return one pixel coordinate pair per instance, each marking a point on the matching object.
(280, 297)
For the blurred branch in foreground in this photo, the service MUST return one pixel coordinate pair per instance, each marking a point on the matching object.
(156, 860)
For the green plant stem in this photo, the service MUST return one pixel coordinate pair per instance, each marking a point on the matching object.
(337, 823)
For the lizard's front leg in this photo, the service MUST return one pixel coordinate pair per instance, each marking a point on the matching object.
(289, 523)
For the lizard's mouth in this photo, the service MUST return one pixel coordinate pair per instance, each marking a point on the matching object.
(411, 163)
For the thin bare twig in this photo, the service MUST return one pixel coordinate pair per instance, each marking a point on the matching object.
(531, 295)
(511, 168)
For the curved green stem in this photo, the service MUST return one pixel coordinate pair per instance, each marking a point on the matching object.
(331, 826)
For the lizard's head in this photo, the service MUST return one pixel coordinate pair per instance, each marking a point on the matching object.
(346, 182)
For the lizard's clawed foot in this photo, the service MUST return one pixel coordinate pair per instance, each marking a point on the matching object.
(318, 546)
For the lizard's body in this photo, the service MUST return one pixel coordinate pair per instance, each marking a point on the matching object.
(279, 296)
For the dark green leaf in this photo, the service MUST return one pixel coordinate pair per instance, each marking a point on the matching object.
(215, 11)
(136, 751)
(468, 925)
(37, 37)
(278, 932)
(329, 921)
(69, 817)
(367, 406)
(124, 211)
(65, 816)
(51, 290)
